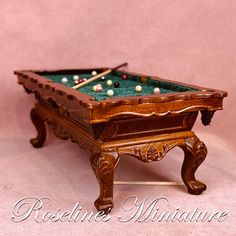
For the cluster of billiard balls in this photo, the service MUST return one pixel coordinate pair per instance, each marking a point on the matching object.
(98, 87)
(110, 92)
(76, 79)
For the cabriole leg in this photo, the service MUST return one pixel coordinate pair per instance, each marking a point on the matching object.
(195, 153)
(103, 165)
(40, 127)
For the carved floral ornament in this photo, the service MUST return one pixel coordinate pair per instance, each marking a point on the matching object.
(149, 152)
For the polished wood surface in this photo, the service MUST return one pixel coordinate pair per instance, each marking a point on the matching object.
(143, 127)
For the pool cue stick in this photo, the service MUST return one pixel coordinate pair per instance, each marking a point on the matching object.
(98, 76)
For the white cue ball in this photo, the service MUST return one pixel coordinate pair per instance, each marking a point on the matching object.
(75, 77)
(110, 93)
(138, 88)
(156, 90)
(94, 73)
(64, 80)
(109, 82)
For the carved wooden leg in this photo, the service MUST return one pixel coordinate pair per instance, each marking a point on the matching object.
(195, 153)
(103, 165)
(41, 129)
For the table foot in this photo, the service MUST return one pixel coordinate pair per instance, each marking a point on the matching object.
(195, 153)
(103, 165)
(40, 127)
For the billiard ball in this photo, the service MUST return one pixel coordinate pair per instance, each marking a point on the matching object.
(138, 88)
(156, 90)
(94, 88)
(103, 78)
(76, 82)
(99, 89)
(75, 77)
(116, 84)
(124, 77)
(110, 93)
(109, 82)
(94, 73)
(81, 81)
(64, 80)
(84, 79)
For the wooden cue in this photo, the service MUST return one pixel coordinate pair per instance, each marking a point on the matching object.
(98, 76)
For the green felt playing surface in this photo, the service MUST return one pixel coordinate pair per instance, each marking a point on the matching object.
(127, 87)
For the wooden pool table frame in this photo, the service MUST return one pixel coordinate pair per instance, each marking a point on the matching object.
(144, 127)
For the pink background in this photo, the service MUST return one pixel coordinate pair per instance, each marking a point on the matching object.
(185, 40)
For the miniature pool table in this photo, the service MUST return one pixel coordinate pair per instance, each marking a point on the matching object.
(140, 124)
